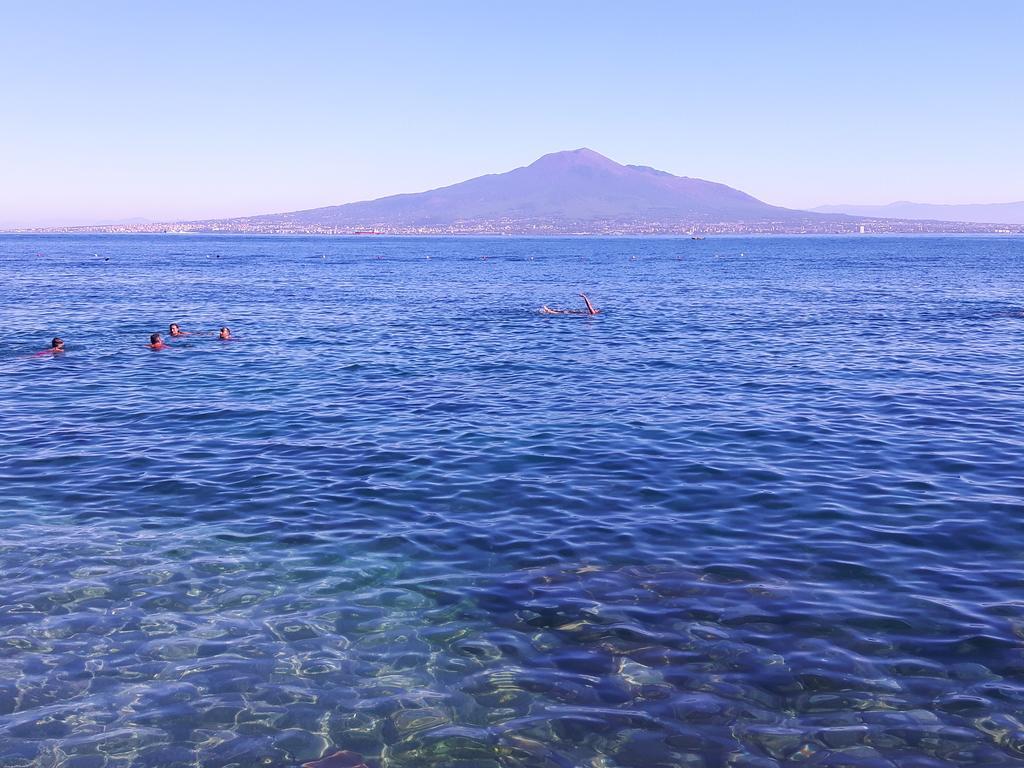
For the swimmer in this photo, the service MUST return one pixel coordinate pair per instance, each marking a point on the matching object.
(590, 310)
(156, 341)
(56, 348)
(225, 334)
(175, 331)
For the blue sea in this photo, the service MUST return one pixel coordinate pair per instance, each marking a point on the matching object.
(765, 509)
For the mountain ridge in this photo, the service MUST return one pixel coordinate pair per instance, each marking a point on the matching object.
(974, 213)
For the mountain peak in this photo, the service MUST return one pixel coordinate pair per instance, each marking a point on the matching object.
(582, 157)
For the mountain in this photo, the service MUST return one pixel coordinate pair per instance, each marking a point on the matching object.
(992, 213)
(578, 188)
(574, 192)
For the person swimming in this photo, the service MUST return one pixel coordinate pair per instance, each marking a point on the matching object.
(56, 348)
(156, 341)
(225, 334)
(175, 331)
(590, 310)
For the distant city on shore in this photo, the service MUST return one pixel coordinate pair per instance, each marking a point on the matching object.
(581, 192)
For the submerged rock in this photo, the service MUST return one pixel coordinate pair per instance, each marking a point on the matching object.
(451, 747)
(406, 722)
(340, 759)
(1005, 730)
(636, 673)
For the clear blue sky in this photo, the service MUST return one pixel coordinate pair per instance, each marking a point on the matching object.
(188, 109)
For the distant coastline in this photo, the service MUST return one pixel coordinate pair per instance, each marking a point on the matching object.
(1011, 232)
(855, 227)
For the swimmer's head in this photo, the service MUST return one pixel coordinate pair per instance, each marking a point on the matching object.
(225, 332)
(175, 329)
(156, 339)
(57, 343)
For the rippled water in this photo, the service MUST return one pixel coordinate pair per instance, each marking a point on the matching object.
(766, 509)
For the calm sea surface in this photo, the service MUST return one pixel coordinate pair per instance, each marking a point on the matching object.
(766, 509)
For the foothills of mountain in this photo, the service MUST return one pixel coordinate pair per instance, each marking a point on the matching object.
(573, 192)
(990, 213)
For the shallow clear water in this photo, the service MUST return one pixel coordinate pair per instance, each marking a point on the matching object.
(766, 509)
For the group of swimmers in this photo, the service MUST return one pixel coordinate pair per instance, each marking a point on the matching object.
(156, 340)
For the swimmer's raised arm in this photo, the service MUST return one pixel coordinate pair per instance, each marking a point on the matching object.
(590, 307)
